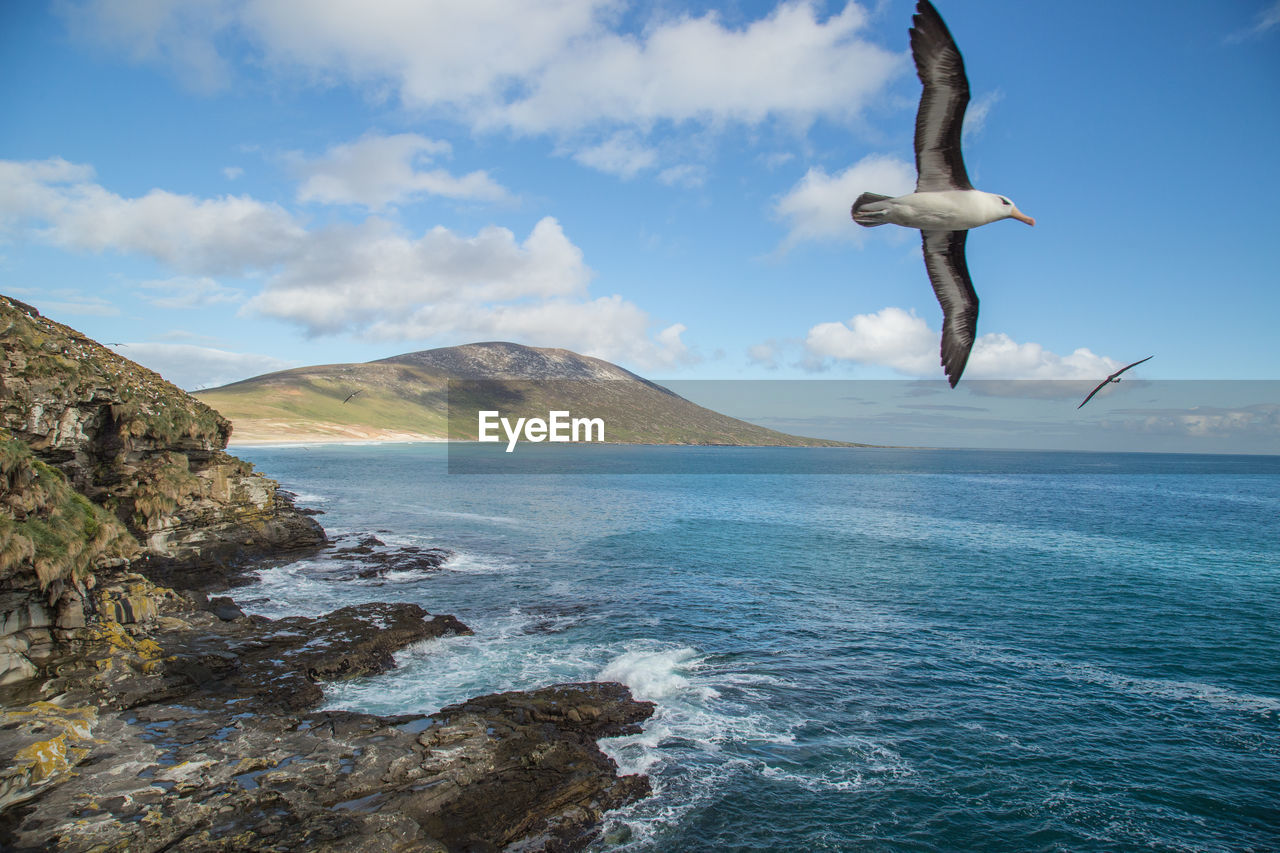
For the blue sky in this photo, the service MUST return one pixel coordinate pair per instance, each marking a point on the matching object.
(227, 187)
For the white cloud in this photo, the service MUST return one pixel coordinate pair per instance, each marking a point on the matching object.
(764, 354)
(607, 327)
(178, 35)
(562, 69)
(191, 367)
(997, 356)
(904, 342)
(622, 154)
(789, 65)
(1260, 421)
(225, 235)
(184, 292)
(817, 207)
(891, 337)
(684, 175)
(975, 117)
(1266, 20)
(352, 277)
(376, 171)
(369, 279)
(231, 173)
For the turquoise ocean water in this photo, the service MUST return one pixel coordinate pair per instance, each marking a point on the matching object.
(960, 651)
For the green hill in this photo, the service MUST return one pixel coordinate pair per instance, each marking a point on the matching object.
(408, 396)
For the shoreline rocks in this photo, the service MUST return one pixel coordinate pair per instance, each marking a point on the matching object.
(201, 736)
(138, 713)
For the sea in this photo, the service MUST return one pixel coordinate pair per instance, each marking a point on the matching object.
(849, 648)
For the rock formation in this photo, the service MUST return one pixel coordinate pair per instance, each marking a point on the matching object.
(145, 717)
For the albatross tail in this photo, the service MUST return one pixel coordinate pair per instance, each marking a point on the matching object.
(868, 212)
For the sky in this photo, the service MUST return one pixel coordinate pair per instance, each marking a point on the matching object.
(221, 188)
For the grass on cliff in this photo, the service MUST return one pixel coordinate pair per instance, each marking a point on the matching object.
(46, 526)
(47, 361)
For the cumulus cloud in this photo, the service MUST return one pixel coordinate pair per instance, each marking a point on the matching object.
(904, 342)
(789, 64)
(563, 69)
(376, 171)
(369, 279)
(185, 292)
(891, 337)
(58, 203)
(608, 326)
(192, 367)
(817, 207)
(354, 277)
(622, 154)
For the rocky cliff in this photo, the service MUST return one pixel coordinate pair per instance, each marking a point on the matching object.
(146, 717)
(103, 462)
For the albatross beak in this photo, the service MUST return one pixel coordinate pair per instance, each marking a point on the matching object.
(1022, 217)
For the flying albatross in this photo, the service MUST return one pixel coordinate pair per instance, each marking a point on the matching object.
(1115, 377)
(352, 394)
(945, 205)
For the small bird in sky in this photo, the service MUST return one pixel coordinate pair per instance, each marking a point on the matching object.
(1115, 377)
(945, 205)
(349, 396)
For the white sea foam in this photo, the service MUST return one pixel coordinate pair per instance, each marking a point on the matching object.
(654, 675)
(471, 563)
(291, 590)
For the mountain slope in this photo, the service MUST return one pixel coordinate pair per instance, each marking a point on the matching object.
(408, 396)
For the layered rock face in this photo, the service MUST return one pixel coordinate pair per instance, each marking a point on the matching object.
(103, 462)
(145, 717)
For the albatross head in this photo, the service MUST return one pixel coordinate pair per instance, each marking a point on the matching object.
(1010, 210)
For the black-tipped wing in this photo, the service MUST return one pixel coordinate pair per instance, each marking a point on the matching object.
(940, 119)
(1112, 378)
(949, 274)
(1100, 386)
(1127, 366)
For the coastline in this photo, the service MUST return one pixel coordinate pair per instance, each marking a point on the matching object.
(142, 710)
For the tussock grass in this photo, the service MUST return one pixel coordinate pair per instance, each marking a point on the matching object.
(46, 526)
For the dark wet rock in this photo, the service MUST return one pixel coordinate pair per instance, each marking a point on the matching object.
(225, 609)
(409, 558)
(364, 545)
(370, 557)
(204, 743)
(181, 730)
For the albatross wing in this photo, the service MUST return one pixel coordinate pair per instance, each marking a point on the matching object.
(949, 274)
(1112, 378)
(940, 119)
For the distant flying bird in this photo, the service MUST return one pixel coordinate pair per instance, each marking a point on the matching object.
(1115, 377)
(945, 205)
(349, 396)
